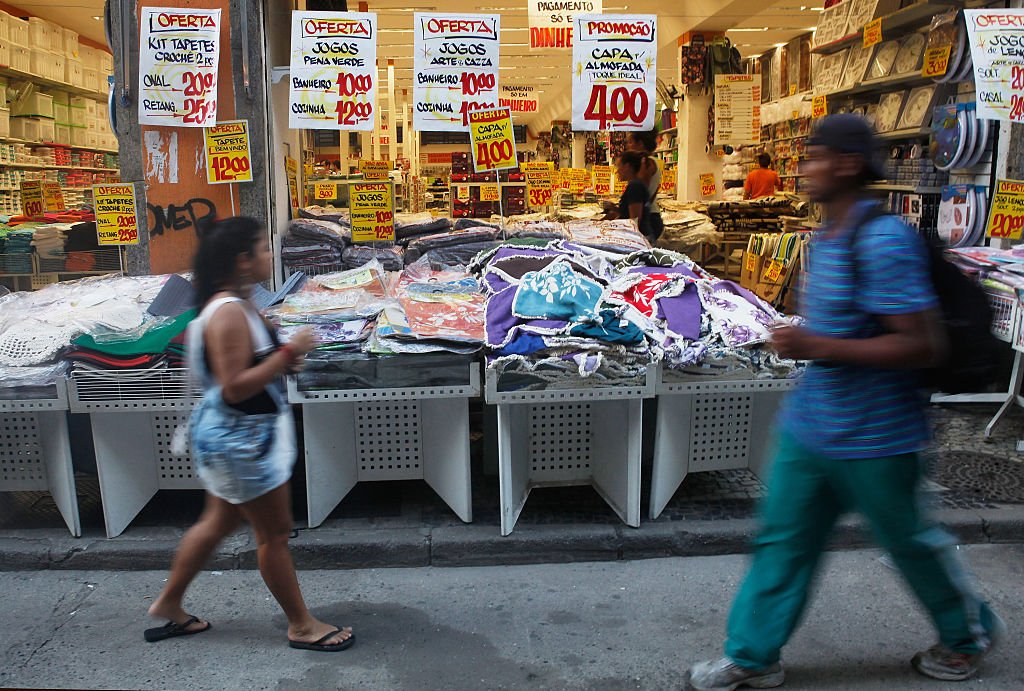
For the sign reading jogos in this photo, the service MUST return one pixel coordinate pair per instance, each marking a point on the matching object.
(551, 21)
(614, 72)
(456, 69)
(179, 52)
(333, 71)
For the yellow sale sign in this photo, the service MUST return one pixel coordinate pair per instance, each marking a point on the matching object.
(668, 181)
(1006, 215)
(707, 185)
(579, 180)
(323, 191)
(873, 33)
(374, 170)
(539, 183)
(492, 140)
(490, 193)
(819, 106)
(936, 61)
(372, 211)
(602, 180)
(32, 198)
(227, 152)
(116, 221)
(53, 197)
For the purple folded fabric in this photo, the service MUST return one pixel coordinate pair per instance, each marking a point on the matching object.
(682, 313)
(503, 326)
(678, 270)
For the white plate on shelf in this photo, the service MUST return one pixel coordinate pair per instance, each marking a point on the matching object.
(980, 217)
(970, 125)
(984, 128)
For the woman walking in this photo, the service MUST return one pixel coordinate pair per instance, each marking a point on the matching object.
(633, 202)
(242, 435)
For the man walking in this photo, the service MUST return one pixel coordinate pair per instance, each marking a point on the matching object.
(851, 433)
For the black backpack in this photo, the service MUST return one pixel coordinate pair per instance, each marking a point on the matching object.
(974, 352)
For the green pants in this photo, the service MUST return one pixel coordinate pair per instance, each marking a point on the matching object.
(807, 493)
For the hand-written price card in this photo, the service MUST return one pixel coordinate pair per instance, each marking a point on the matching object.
(371, 208)
(116, 220)
(227, 153)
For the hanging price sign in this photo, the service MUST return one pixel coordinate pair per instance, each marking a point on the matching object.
(372, 211)
(53, 197)
(333, 71)
(116, 221)
(179, 52)
(579, 180)
(455, 59)
(374, 170)
(32, 198)
(564, 178)
(873, 33)
(614, 72)
(819, 106)
(539, 183)
(602, 180)
(492, 140)
(936, 61)
(325, 190)
(462, 193)
(1006, 215)
(708, 188)
(227, 153)
(490, 193)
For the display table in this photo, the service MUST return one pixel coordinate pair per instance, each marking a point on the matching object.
(391, 432)
(710, 425)
(133, 414)
(570, 435)
(35, 454)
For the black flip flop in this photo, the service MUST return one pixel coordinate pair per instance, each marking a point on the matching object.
(321, 647)
(171, 630)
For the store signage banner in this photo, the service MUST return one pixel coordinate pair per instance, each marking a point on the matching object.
(179, 53)
(539, 182)
(614, 72)
(456, 69)
(227, 153)
(32, 198)
(333, 71)
(492, 140)
(53, 197)
(372, 210)
(519, 99)
(602, 180)
(1006, 215)
(374, 170)
(551, 21)
(995, 37)
(116, 219)
(737, 109)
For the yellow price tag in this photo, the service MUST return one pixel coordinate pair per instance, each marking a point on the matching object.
(493, 140)
(372, 212)
(708, 188)
(116, 222)
(751, 263)
(774, 272)
(936, 61)
(53, 197)
(373, 170)
(490, 193)
(32, 198)
(792, 89)
(1006, 215)
(325, 190)
(819, 106)
(462, 192)
(873, 33)
(227, 153)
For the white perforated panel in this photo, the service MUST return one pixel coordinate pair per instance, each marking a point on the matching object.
(388, 441)
(174, 472)
(21, 457)
(560, 438)
(720, 431)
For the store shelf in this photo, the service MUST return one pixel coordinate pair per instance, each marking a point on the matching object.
(885, 187)
(893, 25)
(883, 84)
(36, 166)
(63, 86)
(913, 133)
(481, 184)
(12, 140)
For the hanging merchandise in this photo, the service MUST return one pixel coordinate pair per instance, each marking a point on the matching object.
(945, 47)
(333, 83)
(693, 60)
(614, 74)
(179, 54)
(959, 139)
(957, 215)
(456, 62)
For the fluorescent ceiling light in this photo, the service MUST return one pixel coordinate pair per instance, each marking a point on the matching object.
(763, 28)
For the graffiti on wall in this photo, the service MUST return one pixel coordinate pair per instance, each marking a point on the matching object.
(180, 217)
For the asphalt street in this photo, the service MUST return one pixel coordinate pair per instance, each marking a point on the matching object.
(602, 626)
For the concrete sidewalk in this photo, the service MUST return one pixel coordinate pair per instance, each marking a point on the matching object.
(396, 524)
(601, 627)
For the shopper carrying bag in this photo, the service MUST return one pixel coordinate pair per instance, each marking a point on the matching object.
(242, 434)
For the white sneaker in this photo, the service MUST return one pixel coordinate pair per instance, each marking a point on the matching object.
(726, 675)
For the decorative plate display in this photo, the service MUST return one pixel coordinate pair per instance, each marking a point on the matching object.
(948, 136)
(856, 65)
(908, 59)
(956, 221)
(885, 56)
(889, 111)
(831, 70)
(918, 107)
(861, 12)
(980, 144)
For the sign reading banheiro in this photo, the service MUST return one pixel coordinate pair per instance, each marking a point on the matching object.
(614, 72)
(179, 52)
(551, 21)
(333, 71)
(519, 99)
(455, 69)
